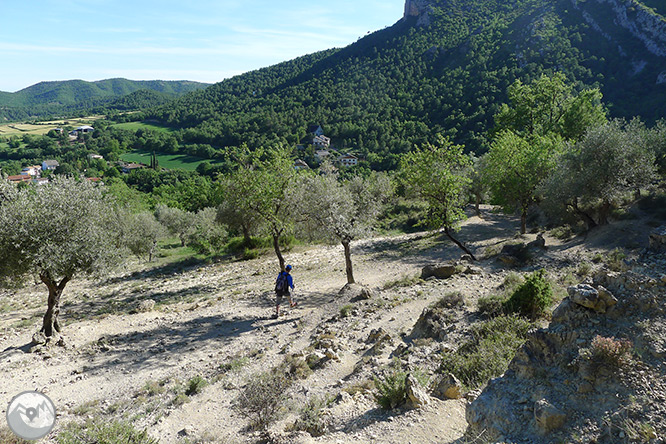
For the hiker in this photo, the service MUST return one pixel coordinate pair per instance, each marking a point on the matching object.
(283, 284)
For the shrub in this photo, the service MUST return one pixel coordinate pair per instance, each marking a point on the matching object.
(195, 385)
(311, 418)
(262, 398)
(608, 352)
(103, 432)
(487, 354)
(492, 305)
(391, 390)
(345, 310)
(532, 297)
(8, 437)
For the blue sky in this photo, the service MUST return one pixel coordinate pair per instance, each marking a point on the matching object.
(203, 40)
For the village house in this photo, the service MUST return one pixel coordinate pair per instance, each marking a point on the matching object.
(348, 160)
(50, 165)
(316, 130)
(301, 165)
(321, 142)
(96, 156)
(19, 178)
(129, 167)
(33, 171)
(321, 155)
(41, 181)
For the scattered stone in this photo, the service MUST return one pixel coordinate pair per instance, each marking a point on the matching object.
(598, 299)
(145, 306)
(316, 359)
(376, 334)
(448, 387)
(441, 271)
(357, 292)
(330, 354)
(658, 239)
(548, 417)
(417, 396)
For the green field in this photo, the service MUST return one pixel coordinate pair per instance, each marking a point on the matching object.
(134, 126)
(169, 161)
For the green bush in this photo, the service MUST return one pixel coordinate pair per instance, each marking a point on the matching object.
(487, 354)
(195, 385)
(492, 305)
(532, 297)
(391, 390)
(103, 432)
(346, 310)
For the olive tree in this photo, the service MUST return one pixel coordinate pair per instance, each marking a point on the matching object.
(264, 184)
(514, 168)
(591, 177)
(342, 210)
(141, 233)
(57, 231)
(178, 222)
(438, 174)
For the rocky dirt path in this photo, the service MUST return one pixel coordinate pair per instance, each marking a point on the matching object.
(214, 321)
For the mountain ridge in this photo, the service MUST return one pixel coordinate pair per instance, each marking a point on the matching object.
(444, 68)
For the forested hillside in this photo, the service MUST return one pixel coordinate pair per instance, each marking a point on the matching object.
(75, 96)
(444, 71)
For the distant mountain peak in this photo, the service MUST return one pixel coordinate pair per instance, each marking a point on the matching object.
(420, 9)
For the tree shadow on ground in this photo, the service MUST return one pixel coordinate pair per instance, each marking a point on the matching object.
(162, 346)
(304, 299)
(128, 304)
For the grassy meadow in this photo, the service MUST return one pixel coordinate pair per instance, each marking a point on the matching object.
(169, 161)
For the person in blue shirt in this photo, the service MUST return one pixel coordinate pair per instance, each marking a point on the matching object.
(284, 285)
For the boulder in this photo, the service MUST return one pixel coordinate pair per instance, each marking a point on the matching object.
(417, 396)
(658, 239)
(448, 387)
(441, 271)
(548, 417)
(598, 299)
(357, 292)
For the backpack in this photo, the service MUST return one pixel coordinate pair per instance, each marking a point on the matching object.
(282, 283)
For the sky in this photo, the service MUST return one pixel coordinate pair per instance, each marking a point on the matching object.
(202, 40)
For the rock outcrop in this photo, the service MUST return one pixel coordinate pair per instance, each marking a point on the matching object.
(550, 391)
(419, 9)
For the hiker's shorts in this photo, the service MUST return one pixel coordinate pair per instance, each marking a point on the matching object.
(280, 296)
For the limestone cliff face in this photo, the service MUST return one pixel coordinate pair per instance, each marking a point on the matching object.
(641, 22)
(420, 9)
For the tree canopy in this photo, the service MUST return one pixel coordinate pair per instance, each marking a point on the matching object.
(70, 228)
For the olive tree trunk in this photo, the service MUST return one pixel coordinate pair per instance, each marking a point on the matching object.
(348, 261)
(278, 253)
(50, 323)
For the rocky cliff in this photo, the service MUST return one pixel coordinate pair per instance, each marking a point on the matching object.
(419, 9)
(641, 22)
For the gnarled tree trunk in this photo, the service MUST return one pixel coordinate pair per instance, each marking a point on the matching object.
(50, 323)
(278, 253)
(348, 261)
(460, 245)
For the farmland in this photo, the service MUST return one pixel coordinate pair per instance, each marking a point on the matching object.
(41, 128)
(169, 161)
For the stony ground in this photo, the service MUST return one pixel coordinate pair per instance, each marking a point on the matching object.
(124, 358)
